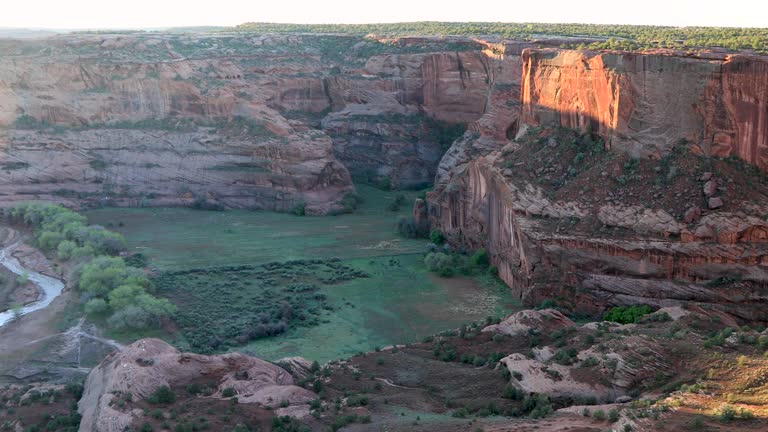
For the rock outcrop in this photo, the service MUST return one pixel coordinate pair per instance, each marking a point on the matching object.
(143, 367)
(600, 373)
(521, 323)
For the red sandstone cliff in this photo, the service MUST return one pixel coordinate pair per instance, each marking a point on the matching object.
(608, 232)
(645, 103)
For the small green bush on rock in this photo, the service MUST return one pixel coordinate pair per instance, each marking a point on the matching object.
(627, 314)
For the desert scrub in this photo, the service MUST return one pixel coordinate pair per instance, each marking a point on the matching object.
(233, 305)
(163, 395)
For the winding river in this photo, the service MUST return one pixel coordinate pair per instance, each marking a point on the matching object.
(51, 287)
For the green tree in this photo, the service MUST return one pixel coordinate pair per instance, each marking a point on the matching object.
(103, 274)
(96, 306)
(65, 249)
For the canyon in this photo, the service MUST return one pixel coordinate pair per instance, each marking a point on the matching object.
(592, 180)
(286, 121)
(259, 122)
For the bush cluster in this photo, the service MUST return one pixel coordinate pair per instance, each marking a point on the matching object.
(627, 314)
(108, 285)
(66, 232)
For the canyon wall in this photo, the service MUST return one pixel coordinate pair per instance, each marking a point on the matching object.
(222, 120)
(576, 219)
(646, 103)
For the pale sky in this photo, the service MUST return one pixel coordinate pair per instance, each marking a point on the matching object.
(80, 14)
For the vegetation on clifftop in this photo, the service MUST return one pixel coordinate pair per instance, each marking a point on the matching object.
(639, 36)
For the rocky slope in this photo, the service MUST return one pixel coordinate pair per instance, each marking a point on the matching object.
(535, 370)
(574, 216)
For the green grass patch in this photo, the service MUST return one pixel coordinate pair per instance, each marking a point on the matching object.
(216, 267)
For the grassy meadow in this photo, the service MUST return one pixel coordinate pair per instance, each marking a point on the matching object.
(351, 280)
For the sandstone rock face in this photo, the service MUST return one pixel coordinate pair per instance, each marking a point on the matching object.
(250, 121)
(159, 131)
(644, 104)
(385, 126)
(720, 260)
(500, 119)
(146, 365)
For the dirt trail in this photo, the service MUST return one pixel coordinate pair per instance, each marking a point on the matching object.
(49, 286)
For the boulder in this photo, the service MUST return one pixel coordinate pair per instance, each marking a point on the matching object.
(692, 215)
(710, 188)
(299, 367)
(715, 203)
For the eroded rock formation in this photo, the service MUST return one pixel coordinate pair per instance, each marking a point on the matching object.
(140, 369)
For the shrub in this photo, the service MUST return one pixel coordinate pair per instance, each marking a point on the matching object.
(565, 356)
(513, 393)
(299, 209)
(480, 258)
(727, 413)
(104, 274)
(613, 415)
(393, 207)
(350, 202)
(537, 406)
(163, 395)
(627, 314)
(460, 413)
(357, 400)
(96, 306)
(440, 263)
(138, 260)
(228, 392)
(65, 249)
(23, 278)
(436, 236)
(49, 240)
